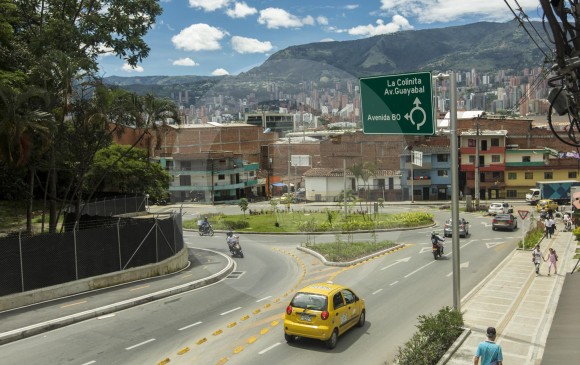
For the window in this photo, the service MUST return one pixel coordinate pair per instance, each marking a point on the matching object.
(349, 296)
(471, 159)
(471, 142)
(548, 175)
(495, 142)
(512, 176)
(526, 159)
(185, 180)
(496, 175)
(572, 174)
(442, 158)
(221, 177)
(252, 173)
(511, 193)
(495, 158)
(185, 165)
(442, 173)
(529, 176)
(337, 301)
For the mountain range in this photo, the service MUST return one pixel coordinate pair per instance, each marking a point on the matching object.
(483, 46)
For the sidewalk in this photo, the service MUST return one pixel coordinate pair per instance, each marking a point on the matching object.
(524, 309)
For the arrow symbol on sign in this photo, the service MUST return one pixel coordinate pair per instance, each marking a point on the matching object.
(397, 262)
(409, 115)
(464, 265)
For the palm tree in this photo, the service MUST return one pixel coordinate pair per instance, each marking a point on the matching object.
(24, 133)
(363, 170)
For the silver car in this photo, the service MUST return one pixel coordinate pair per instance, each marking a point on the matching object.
(463, 228)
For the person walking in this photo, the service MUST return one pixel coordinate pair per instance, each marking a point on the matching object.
(537, 258)
(552, 226)
(488, 351)
(548, 227)
(552, 257)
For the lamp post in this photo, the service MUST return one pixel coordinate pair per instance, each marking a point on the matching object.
(147, 202)
(410, 149)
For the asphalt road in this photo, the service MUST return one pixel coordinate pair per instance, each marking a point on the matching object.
(239, 320)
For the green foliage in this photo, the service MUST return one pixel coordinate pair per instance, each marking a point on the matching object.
(341, 251)
(533, 236)
(576, 232)
(228, 224)
(123, 169)
(435, 334)
(243, 204)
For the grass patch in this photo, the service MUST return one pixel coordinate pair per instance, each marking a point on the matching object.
(342, 251)
(327, 221)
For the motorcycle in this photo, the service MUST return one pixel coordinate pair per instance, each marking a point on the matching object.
(205, 230)
(567, 225)
(235, 247)
(437, 248)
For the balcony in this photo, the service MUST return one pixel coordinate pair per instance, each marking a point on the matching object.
(486, 168)
(420, 181)
(492, 150)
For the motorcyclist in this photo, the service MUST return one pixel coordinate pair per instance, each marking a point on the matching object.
(567, 222)
(204, 225)
(437, 240)
(231, 240)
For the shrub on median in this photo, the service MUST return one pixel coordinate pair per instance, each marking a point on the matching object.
(436, 333)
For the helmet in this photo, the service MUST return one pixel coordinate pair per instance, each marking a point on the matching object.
(229, 233)
(433, 233)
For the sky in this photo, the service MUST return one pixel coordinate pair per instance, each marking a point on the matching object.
(226, 37)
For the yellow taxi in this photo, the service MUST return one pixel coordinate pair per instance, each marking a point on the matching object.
(546, 204)
(323, 311)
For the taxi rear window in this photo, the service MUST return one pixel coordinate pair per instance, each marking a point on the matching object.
(315, 302)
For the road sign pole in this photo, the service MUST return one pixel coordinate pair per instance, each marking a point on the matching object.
(454, 190)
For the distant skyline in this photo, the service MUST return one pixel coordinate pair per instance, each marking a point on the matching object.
(221, 37)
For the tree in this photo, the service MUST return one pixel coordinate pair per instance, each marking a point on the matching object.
(243, 204)
(133, 173)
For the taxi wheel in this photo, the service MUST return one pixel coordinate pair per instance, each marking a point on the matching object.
(289, 338)
(361, 319)
(331, 342)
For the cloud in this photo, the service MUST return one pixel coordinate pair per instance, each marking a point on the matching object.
(198, 37)
(275, 18)
(129, 68)
(429, 11)
(219, 72)
(185, 62)
(209, 5)
(241, 10)
(397, 24)
(351, 7)
(250, 45)
(322, 20)
(327, 40)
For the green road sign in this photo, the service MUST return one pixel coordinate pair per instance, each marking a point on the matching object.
(397, 104)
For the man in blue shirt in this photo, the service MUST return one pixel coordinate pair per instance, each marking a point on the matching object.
(488, 351)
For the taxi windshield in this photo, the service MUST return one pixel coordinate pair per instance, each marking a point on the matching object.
(309, 301)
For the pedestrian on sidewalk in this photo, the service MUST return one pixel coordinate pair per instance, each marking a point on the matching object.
(537, 258)
(552, 257)
(488, 351)
(552, 226)
(548, 227)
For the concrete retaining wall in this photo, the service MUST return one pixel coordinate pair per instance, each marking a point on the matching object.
(170, 265)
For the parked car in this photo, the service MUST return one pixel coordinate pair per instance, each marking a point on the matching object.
(504, 221)
(499, 208)
(463, 228)
(546, 204)
(323, 311)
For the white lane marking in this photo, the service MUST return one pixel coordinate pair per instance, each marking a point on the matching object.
(377, 291)
(492, 244)
(396, 262)
(426, 249)
(268, 348)
(421, 268)
(230, 311)
(106, 316)
(464, 265)
(191, 325)
(259, 300)
(394, 283)
(89, 363)
(140, 344)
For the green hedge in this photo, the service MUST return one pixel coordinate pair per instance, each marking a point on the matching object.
(435, 335)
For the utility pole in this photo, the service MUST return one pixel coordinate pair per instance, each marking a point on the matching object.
(477, 194)
(454, 186)
(289, 164)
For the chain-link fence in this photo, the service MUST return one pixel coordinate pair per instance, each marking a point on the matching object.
(116, 244)
(113, 206)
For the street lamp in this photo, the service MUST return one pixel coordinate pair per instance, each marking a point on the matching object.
(147, 202)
